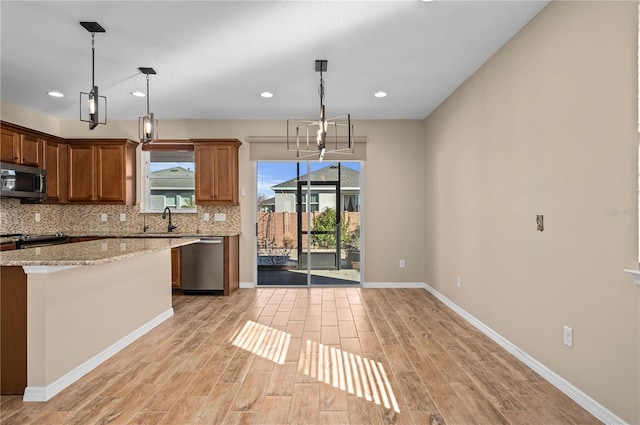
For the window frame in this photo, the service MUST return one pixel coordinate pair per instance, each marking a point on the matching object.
(145, 189)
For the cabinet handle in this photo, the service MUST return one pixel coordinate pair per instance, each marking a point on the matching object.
(15, 157)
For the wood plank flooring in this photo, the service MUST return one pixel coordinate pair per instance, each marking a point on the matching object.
(307, 356)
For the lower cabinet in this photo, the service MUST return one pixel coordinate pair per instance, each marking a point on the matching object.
(13, 338)
(176, 265)
(231, 264)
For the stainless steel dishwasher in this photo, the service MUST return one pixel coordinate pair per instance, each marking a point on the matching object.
(203, 267)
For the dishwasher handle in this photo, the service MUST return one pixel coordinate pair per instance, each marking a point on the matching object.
(210, 241)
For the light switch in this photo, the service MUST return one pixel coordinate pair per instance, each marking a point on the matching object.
(219, 217)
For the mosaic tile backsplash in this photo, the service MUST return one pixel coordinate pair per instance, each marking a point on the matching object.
(85, 219)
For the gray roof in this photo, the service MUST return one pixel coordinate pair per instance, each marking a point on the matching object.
(165, 179)
(349, 177)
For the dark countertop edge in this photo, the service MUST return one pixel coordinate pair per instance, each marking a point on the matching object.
(150, 235)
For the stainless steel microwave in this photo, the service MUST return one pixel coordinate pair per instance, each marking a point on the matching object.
(21, 181)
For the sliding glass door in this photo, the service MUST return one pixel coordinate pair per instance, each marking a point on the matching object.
(308, 224)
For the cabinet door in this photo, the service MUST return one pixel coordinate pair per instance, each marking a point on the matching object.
(81, 173)
(225, 174)
(110, 173)
(176, 265)
(54, 161)
(30, 148)
(216, 174)
(9, 146)
(204, 154)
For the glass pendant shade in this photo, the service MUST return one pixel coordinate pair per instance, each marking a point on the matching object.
(147, 128)
(93, 108)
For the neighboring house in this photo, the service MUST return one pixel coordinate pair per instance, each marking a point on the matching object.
(321, 197)
(172, 187)
(267, 205)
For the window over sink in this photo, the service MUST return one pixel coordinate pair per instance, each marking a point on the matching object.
(169, 181)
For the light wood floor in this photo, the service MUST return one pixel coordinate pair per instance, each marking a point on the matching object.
(316, 356)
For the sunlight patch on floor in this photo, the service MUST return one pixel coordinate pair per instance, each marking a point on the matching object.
(357, 375)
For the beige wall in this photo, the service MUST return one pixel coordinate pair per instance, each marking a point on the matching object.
(547, 126)
(392, 199)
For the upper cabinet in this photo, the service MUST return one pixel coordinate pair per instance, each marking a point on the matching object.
(54, 160)
(19, 146)
(216, 171)
(101, 171)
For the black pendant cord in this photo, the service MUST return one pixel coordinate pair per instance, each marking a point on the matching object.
(93, 60)
(321, 90)
(147, 94)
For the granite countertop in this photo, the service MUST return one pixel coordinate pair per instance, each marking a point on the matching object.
(89, 253)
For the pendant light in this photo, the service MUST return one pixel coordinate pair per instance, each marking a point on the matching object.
(91, 104)
(147, 125)
(312, 137)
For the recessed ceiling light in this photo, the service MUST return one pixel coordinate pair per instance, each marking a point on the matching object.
(55, 94)
(266, 94)
(380, 94)
(138, 94)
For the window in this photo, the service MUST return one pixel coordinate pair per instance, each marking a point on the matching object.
(314, 204)
(351, 203)
(169, 181)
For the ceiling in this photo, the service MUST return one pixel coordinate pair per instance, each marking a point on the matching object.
(214, 58)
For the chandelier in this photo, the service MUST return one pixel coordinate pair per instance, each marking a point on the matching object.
(92, 101)
(147, 125)
(319, 137)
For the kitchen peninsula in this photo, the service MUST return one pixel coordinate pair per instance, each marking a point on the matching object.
(67, 308)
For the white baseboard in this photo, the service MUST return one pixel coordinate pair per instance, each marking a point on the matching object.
(393, 285)
(589, 404)
(46, 393)
(247, 285)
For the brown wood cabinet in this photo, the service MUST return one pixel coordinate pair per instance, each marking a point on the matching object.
(7, 246)
(9, 145)
(13, 323)
(102, 171)
(20, 145)
(54, 160)
(176, 266)
(231, 264)
(216, 171)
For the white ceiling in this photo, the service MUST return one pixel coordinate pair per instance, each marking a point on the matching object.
(214, 58)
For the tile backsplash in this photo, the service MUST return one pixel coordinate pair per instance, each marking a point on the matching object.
(85, 219)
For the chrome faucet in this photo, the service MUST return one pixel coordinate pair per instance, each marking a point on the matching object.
(170, 227)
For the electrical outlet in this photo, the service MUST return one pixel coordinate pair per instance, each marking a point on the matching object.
(219, 217)
(37, 218)
(103, 217)
(568, 336)
(401, 263)
(123, 217)
(205, 216)
(459, 281)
